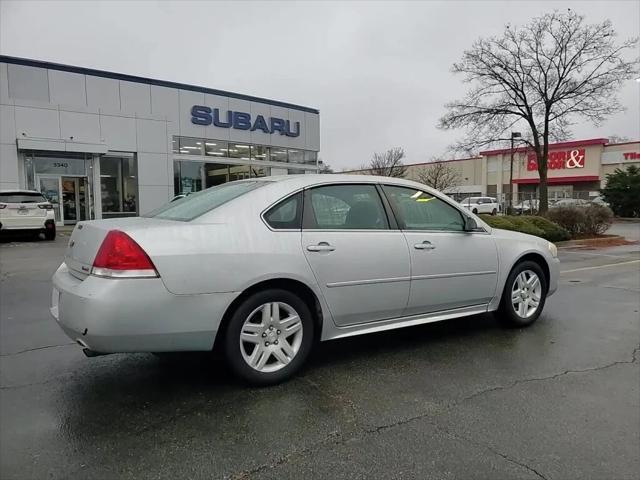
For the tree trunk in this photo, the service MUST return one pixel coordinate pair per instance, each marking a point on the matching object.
(544, 197)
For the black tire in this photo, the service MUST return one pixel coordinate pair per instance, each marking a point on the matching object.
(475, 211)
(494, 212)
(50, 233)
(232, 337)
(506, 313)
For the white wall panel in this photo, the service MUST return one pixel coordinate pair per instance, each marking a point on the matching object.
(187, 100)
(222, 103)
(135, 98)
(83, 127)
(7, 125)
(235, 134)
(312, 131)
(103, 93)
(119, 133)
(165, 102)
(4, 84)
(152, 136)
(153, 196)
(37, 122)
(152, 169)
(258, 136)
(297, 116)
(29, 83)
(9, 166)
(276, 138)
(66, 88)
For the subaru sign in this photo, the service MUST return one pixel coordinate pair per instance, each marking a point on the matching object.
(202, 115)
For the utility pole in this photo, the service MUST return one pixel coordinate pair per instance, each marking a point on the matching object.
(513, 135)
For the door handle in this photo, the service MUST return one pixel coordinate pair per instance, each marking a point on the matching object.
(426, 245)
(321, 247)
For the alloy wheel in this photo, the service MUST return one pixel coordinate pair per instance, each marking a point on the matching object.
(526, 293)
(271, 337)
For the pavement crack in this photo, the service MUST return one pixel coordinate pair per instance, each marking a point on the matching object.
(489, 448)
(36, 348)
(634, 359)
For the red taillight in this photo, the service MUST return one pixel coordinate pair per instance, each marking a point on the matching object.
(120, 256)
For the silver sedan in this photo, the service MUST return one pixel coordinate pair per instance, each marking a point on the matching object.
(264, 268)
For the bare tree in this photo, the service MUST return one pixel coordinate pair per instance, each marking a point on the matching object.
(618, 139)
(388, 164)
(540, 78)
(440, 176)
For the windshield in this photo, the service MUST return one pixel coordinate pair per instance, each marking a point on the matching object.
(196, 204)
(22, 197)
(470, 200)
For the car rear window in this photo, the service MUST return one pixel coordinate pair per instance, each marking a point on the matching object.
(196, 204)
(22, 197)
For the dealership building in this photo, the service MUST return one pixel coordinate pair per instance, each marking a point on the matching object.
(576, 169)
(103, 145)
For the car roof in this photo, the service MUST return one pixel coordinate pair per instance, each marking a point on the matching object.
(306, 180)
(18, 190)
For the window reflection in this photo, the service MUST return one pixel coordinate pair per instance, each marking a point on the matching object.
(239, 150)
(119, 186)
(191, 146)
(216, 148)
(296, 156)
(278, 154)
(259, 152)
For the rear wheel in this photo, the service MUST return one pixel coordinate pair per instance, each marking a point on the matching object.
(494, 212)
(475, 211)
(269, 337)
(50, 233)
(524, 295)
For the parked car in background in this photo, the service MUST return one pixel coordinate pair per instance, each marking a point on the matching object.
(569, 202)
(273, 265)
(599, 201)
(481, 205)
(28, 211)
(526, 207)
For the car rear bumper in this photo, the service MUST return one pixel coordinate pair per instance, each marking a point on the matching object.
(26, 223)
(134, 315)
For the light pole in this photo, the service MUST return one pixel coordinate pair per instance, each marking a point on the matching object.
(513, 135)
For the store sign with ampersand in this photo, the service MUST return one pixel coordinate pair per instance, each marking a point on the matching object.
(559, 160)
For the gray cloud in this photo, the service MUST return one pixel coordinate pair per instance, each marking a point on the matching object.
(378, 71)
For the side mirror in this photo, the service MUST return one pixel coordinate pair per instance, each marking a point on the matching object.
(470, 225)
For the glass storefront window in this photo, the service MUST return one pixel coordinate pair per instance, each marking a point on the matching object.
(191, 146)
(296, 156)
(259, 152)
(239, 172)
(119, 186)
(257, 172)
(191, 177)
(278, 154)
(216, 148)
(216, 174)
(239, 150)
(310, 158)
(295, 171)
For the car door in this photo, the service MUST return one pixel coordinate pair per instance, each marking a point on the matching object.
(450, 268)
(358, 255)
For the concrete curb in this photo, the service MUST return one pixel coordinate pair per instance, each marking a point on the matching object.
(590, 241)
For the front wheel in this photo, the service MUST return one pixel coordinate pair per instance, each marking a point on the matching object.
(524, 295)
(269, 337)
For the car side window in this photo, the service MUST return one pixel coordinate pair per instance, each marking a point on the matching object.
(287, 214)
(353, 207)
(419, 210)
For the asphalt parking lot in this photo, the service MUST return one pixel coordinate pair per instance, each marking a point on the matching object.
(461, 399)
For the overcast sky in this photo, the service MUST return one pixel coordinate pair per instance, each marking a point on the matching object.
(378, 72)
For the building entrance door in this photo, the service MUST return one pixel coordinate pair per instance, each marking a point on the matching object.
(50, 187)
(71, 208)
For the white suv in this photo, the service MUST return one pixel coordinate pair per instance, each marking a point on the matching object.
(27, 210)
(481, 205)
